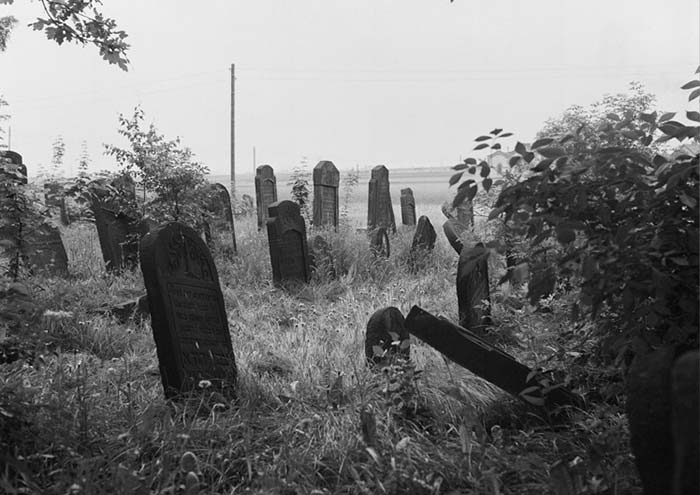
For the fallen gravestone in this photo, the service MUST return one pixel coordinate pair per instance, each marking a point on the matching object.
(423, 242)
(408, 207)
(188, 316)
(12, 166)
(453, 231)
(481, 358)
(43, 251)
(379, 242)
(473, 289)
(325, 206)
(321, 258)
(289, 253)
(380, 212)
(219, 207)
(386, 336)
(265, 192)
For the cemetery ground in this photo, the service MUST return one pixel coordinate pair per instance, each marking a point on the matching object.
(82, 410)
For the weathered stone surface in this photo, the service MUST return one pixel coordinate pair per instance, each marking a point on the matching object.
(15, 169)
(661, 396)
(379, 242)
(423, 243)
(326, 205)
(385, 326)
(408, 207)
(188, 316)
(43, 250)
(473, 288)
(475, 354)
(289, 253)
(453, 231)
(322, 262)
(380, 212)
(265, 192)
(219, 207)
(118, 235)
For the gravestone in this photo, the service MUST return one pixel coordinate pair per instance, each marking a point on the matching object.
(219, 206)
(487, 361)
(321, 257)
(473, 288)
(188, 316)
(423, 242)
(265, 192)
(380, 212)
(43, 251)
(286, 233)
(453, 231)
(379, 339)
(463, 214)
(12, 166)
(54, 197)
(542, 281)
(326, 180)
(119, 235)
(379, 242)
(408, 207)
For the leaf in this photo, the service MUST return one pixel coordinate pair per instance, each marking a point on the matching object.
(482, 138)
(514, 160)
(613, 116)
(692, 115)
(470, 161)
(487, 183)
(472, 170)
(471, 192)
(541, 142)
(520, 148)
(566, 138)
(543, 165)
(649, 118)
(496, 146)
(551, 152)
(691, 84)
(455, 178)
(506, 134)
(694, 94)
(480, 146)
(485, 169)
(529, 156)
(496, 132)
(659, 160)
(666, 116)
(497, 211)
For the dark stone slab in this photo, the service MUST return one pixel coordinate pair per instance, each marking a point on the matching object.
(188, 316)
(265, 192)
(326, 205)
(423, 243)
(118, 235)
(43, 251)
(219, 208)
(408, 207)
(321, 256)
(542, 281)
(289, 253)
(473, 288)
(12, 166)
(380, 212)
(685, 389)
(453, 231)
(385, 326)
(481, 358)
(379, 242)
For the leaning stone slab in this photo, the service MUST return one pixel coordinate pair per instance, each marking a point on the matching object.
(188, 316)
(386, 326)
(481, 358)
(473, 288)
(423, 243)
(408, 207)
(379, 242)
(453, 231)
(43, 251)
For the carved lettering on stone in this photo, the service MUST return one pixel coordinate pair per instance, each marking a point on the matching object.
(265, 192)
(325, 206)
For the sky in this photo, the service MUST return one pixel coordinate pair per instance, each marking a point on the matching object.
(404, 83)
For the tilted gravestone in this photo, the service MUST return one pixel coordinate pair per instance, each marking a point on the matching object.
(379, 242)
(321, 255)
(326, 207)
(43, 250)
(289, 252)
(265, 192)
(118, 235)
(188, 316)
(487, 361)
(453, 231)
(54, 197)
(423, 242)
(11, 166)
(408, 207)
(463, 214)
(219, 206)
(380, 212)
(385, 328)
(473, 288)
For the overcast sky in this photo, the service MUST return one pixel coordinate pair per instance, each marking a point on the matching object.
(360, 82)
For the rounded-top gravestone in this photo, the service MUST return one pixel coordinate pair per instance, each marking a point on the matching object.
(325, 204)
(386, 336)
(289, 252)
(265, 191)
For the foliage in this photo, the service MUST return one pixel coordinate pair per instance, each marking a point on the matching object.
(3, 117)
(164, 168)
(59, 151)
(350, 180)
(76, 20)
(625, 217)
(299, 180)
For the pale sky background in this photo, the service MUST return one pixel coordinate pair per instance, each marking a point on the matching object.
(360, 82)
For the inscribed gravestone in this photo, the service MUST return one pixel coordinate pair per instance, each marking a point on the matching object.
(188, 316)
(43, 250)
(423, 242)
(473, 288)
(380, 212)
(219, 206)
(326, 180)
(408, 207)
(289, 252)
(379, 242)
(265, 192)
(379, 339)
(12, 163)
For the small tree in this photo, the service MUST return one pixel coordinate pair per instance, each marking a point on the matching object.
(299, 180)
(59, 151)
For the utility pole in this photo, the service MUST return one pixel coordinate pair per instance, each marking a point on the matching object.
(233, 131)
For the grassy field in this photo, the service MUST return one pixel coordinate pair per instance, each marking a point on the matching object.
(83, 411)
